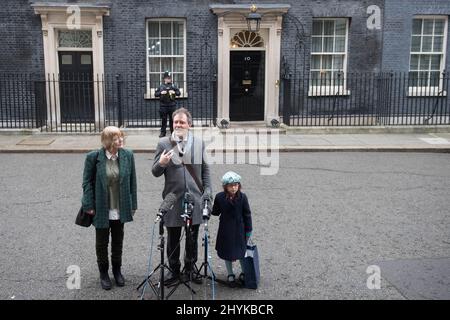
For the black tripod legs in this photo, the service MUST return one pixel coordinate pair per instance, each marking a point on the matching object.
(185, 282)
(157, 288)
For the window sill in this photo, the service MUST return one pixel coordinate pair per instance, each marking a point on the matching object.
(426, 92)
(327, 91)
(151, 96)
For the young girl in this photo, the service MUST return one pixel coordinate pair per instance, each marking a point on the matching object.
(235, 226)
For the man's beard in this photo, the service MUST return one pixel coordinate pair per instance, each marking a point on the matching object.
(181, 133)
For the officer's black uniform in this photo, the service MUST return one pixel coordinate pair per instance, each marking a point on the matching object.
(167, 103)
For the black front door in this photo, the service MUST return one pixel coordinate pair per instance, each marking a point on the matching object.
(247, 85)
(76, 86)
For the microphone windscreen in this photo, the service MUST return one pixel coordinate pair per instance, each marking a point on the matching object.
(168, 202)
(188, 197)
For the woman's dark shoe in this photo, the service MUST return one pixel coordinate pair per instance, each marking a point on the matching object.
(120, 281)
(242, 279)
(231, 279)
(105, 281)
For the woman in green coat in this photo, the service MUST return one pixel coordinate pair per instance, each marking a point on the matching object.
(109, 194)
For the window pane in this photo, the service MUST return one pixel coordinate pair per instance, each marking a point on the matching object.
(428, 26)
(434, 79)
(66, 59)
(166, 64)
(438, 42)
(153, 29)
(338, 78)
(326, 62)
(340, 44)
(86, 59)
(154, 64)
(75, 38)
(338, 62)
(317, 28)
(178, 29)
(436, 62)
(415, 44)
(166, 46)
(340, 27)
(439, 26)
(155, 80)
(178, 64)
(328, 27)
(154, 47)
(325, 78)
(414, 65)
(424, 62)
(178, 47)
(178, 80)
(423, 79)
(166, 29)
(417, 26)
(413, 79)
(316, 44)
(328, 44)
(315, 76)
(315, 62)
(426, 43)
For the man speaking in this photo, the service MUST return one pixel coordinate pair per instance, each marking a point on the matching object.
(182, 159)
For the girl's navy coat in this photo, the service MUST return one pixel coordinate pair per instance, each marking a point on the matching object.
(235, 221)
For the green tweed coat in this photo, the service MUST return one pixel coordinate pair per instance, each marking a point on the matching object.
(95, 195)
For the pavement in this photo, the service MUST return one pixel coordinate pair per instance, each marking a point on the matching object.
(404, 139)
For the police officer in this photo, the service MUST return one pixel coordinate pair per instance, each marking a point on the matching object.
(166, 94)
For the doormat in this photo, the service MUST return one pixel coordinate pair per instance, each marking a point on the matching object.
(36, 141)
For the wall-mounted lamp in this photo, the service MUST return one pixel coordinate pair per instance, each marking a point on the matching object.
(253, 19)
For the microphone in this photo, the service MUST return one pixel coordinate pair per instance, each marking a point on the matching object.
(206, 200)
(188, 208)
(166, 205)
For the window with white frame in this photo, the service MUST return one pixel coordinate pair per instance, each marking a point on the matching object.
(166, 51)
(329, 56)
(427, 58)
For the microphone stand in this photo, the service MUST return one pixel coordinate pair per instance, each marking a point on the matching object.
(187, 216)
(206, 265)
(161, 266)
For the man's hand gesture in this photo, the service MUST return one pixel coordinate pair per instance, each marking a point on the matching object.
(165, 157)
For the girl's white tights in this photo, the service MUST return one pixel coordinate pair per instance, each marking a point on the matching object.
(229, 265)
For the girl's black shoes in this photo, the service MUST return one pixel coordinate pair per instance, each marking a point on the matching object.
(242, 279)
(231, 279)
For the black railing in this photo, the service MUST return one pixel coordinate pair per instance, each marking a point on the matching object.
(365, 100)
(86, 103)
(19, 95)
